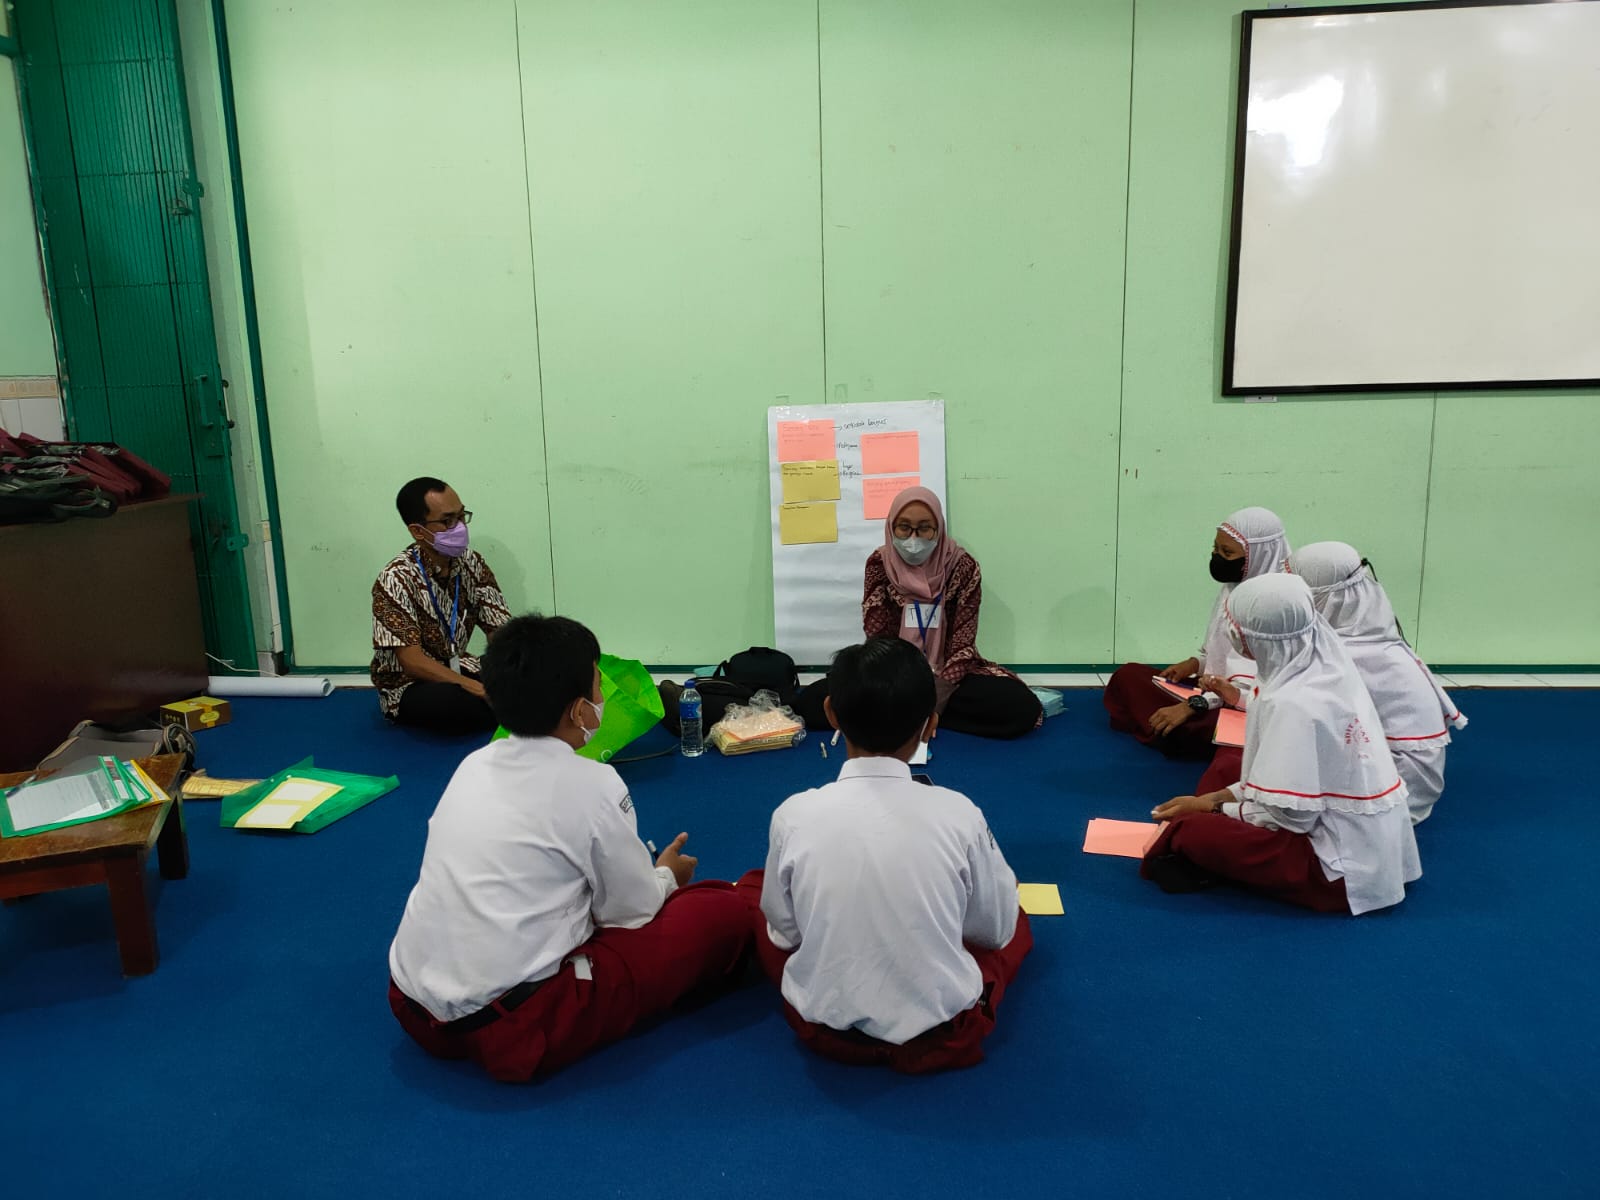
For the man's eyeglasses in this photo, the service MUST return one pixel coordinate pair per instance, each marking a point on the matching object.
(926, 530)
(451, 522)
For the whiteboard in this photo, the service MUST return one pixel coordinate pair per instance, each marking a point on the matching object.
(816, 588)
(1416, 199)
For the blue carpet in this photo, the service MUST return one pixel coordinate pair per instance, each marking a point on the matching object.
(1153, 1045)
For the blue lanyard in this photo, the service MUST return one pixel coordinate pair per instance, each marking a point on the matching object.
(455, 605)
(923, 627)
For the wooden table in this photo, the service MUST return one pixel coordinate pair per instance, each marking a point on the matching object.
(112, 852)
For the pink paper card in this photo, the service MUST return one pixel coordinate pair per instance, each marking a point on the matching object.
(1230, 727)
(805, 441)
(1127, 839)
(890, 453)
(1176, 690)
(878, 494)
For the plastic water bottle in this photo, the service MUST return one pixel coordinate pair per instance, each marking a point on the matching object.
(692, 740)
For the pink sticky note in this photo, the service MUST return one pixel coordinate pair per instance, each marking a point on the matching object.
(1128, 839)
(1230, 727)
(806, 441)
(878, 494)
(890, 453)
(1175, 690)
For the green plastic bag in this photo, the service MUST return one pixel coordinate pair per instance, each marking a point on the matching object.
(633, 708)
(357, 791)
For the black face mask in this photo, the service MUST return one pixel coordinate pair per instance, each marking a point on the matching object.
(1226, 570)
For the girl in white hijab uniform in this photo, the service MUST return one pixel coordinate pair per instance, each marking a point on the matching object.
(1249, 544)
(1319, 816)
(1266, 550)
(1417, 715)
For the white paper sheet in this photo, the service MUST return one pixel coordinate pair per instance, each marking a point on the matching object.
(816, 588)
(64, 799)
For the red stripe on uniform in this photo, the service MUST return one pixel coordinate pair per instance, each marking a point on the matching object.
(1322, 795)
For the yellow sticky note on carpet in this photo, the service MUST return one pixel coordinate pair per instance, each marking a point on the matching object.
(1040, 899)
(807, 524)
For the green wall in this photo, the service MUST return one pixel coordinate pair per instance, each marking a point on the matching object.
(566, 256)
(27, 346)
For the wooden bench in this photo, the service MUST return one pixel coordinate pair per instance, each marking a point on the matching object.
(112, 852)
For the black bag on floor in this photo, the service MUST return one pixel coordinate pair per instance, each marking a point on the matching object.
(763, 667)
(736, 681)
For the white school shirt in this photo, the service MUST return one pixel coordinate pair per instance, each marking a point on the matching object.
(875, 881)
(530, 849)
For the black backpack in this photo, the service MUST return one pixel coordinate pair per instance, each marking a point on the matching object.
(763, 667)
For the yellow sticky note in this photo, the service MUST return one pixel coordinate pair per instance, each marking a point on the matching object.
(814, 480)
(1040, 899)
(808, 524)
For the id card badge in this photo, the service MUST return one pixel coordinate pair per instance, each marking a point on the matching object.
(928, 618)
(455, 663)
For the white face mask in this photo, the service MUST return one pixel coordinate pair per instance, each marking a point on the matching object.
(915, 550)
(599, 718)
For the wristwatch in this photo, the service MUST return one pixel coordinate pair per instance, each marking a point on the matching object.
(1198, 703)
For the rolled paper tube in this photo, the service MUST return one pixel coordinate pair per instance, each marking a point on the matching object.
(275, 686)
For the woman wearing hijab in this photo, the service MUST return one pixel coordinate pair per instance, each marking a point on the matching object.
(922, 587)
(1248, 545)
(1417, 716)
(1319, 818)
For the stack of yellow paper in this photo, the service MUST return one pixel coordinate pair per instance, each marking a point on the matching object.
(772, 729)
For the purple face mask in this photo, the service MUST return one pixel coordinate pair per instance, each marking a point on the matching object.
(452, 543)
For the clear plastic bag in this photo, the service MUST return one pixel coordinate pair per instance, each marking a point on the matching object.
(763, 724)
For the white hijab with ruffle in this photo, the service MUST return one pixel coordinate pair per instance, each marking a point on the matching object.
(1413, 706)
(1266, 549)
(1314, 740)
(1313, 743)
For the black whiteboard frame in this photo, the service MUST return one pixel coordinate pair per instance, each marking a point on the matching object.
(1236, 219)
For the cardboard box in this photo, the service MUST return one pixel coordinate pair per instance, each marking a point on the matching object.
(203, 712)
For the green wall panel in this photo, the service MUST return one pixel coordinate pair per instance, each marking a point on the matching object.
(383, 168)
(1511, 572)
(674, 184)
(974, 174)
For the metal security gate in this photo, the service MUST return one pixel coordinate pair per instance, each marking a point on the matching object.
(108, 123)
